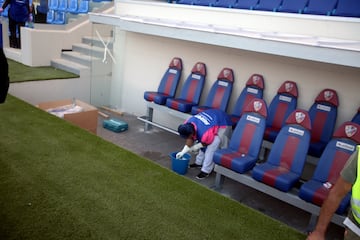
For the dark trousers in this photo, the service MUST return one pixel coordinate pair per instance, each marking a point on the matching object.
(14, 28)
(4, 76)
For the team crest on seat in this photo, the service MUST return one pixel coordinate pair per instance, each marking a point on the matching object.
(257, 105)
(299, 117)
(289, 86)
(328, 95)
(350, 130)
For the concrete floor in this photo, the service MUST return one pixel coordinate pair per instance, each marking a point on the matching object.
(157, 144)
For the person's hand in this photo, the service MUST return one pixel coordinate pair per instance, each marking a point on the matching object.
(315, 235)
(30, 17)
(196, 147)
(1, 9)
(183, 151)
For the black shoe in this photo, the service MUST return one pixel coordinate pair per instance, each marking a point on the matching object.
(202, 175)
(194, 165)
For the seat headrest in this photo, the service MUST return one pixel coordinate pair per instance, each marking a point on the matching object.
(329, 96)
(300, 117)
(199, 68)
(176, 63)
(257, 105)
(256, 80)
(226, 74)
(348, 130)
(289, 87)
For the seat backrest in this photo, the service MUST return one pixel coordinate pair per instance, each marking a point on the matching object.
(50, 16)
(268, 5)
(83, 6)
(194, 84)
(347, 8)
(73, 6)
(320, 7)
(323, 114)
(254, 88)
(220, 91)
(337, 152)
(248, 134)
(206, 3)
(225, 3)
(293, 6)
(246, 4)
(283, 103)
(171, 77)
(356, 118)
(290, 148)
(63, 5)
(53, 4)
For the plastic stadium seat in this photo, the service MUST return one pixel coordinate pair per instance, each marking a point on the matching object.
(188, 2)
(225, 3)
(191, 91)
(254, 88)
(53, 4)
(323, 114)
(284, 103)
(220, 92)
(246, 4)
(287, 157)
(208, 3)
(168, 84)
(246, 140)
(63, 5)
(60, 17)
(347, 8)
(42, 7)
(328, 169)
(73, 6)
(50, 16)
(320, 7)
(293, 6)
(268, 5)
(356, 118)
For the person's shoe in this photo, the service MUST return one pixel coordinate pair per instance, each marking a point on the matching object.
(202, 175)
(194, 165)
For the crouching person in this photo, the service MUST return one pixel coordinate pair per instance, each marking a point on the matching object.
(4, 76)
(205, 132)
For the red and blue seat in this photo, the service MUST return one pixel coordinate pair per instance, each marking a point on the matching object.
(191, 91)
(356, 117)
(331, 162)
(254, 88)
(220, 92)
(168, 84)
(287, 157)
(323, 115)
(283, 103)
(243, 151)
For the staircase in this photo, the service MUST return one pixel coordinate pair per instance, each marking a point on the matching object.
(79, 59)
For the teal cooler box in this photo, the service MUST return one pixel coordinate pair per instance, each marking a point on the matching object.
(180, 165)
(115, 125)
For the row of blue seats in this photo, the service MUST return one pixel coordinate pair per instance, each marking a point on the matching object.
(323, 111)
(345, 8)
(284, 166)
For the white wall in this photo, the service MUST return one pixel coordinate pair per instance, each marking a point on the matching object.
(146, 58)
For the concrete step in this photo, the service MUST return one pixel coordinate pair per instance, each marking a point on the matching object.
(88, 49)
(70, 66)
(95, 41)
(77, 57)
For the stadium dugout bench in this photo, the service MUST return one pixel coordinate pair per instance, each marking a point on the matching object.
(148, 118)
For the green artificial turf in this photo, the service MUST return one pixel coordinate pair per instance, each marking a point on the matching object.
(58, 181)
(20, 73)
